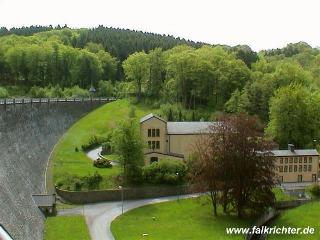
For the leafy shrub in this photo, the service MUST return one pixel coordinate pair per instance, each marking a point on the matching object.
(166, 171)
(102, 163)
(76, 183)
(106, 148)
(132, 112)
(3, 93)
(75, 92)
(314, 190)
(105, 89)
(93, 143)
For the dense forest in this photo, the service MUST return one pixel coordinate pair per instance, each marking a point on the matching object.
(279, 86)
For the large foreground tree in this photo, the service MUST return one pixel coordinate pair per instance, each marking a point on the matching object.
(232, 161)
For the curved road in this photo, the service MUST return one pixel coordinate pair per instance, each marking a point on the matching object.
(100, 215)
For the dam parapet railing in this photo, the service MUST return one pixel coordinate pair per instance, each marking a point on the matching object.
(20, 101)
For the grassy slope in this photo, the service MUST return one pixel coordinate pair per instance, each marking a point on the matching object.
(303, 216)
(67, 161)
(184, 219)
(66, 228)
(281, 196)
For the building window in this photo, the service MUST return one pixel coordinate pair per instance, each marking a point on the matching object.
(300, 168)
(149, 145)
(295, 160)
(158, 132)
(157, 145)
(305, 168)
(305, 159)
(281, 178)
(286, 160)
(300, 159)
(314, 177)
(291, 160)
(310, 159)
(285, 168)
(153, 159)
(153, 132)
(149, 132)
(299, 178)
(281, 169)
(295, 168)
(290, 168)
(153, 144)
(309, 168)
(281, 160)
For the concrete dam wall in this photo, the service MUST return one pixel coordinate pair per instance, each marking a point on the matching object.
(27, 136)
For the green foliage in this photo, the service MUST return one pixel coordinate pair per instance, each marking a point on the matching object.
(102, 163)
(294, 117)
(176, 112)
(3, 93)
(94, 142)
(314, 190)
(128, 144)
(166, 171)
(75, 92)
(237, 103)
(132, 112)
(137, 69)
(105, 89)
(77, 183)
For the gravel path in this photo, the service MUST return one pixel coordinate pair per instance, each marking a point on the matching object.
(100, 215)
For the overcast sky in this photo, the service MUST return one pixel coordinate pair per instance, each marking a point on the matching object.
(261, 24)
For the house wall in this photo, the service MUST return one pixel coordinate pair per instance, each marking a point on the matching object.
(147, 157)
(293, 175)
(183, 144)
(154, 123)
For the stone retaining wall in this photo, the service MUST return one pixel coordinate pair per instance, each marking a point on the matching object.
(128, 193)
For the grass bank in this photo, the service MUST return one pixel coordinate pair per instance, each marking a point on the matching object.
(300, 217)
(184, 219)
(66, 228)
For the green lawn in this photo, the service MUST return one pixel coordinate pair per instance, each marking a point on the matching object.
(185, 219)
(303, 216)
(66, 228)
(66, 161)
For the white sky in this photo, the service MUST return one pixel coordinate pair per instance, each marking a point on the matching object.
(261, 24)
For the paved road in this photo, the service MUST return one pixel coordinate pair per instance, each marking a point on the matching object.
(99, 216)
(94, 154)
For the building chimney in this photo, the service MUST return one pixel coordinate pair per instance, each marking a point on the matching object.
(291, 147)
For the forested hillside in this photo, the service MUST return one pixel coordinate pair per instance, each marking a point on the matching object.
(279, 86)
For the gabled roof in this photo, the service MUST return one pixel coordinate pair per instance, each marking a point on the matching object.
(188, 127)
(296, 152)
(149, 116)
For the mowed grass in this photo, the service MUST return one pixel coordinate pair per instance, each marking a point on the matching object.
(66, 228)
(66, 161)
(300, 217)
(184, 219)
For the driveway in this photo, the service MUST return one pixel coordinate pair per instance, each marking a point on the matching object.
(100, 215)
(94, 154)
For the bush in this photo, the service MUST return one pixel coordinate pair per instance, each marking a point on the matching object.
(314, 190)
(76, 183)
(105, 89)
(3, 93)
(76, 92)
(165, 172)
(106, 148)
(102, 163)
(93, 143)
